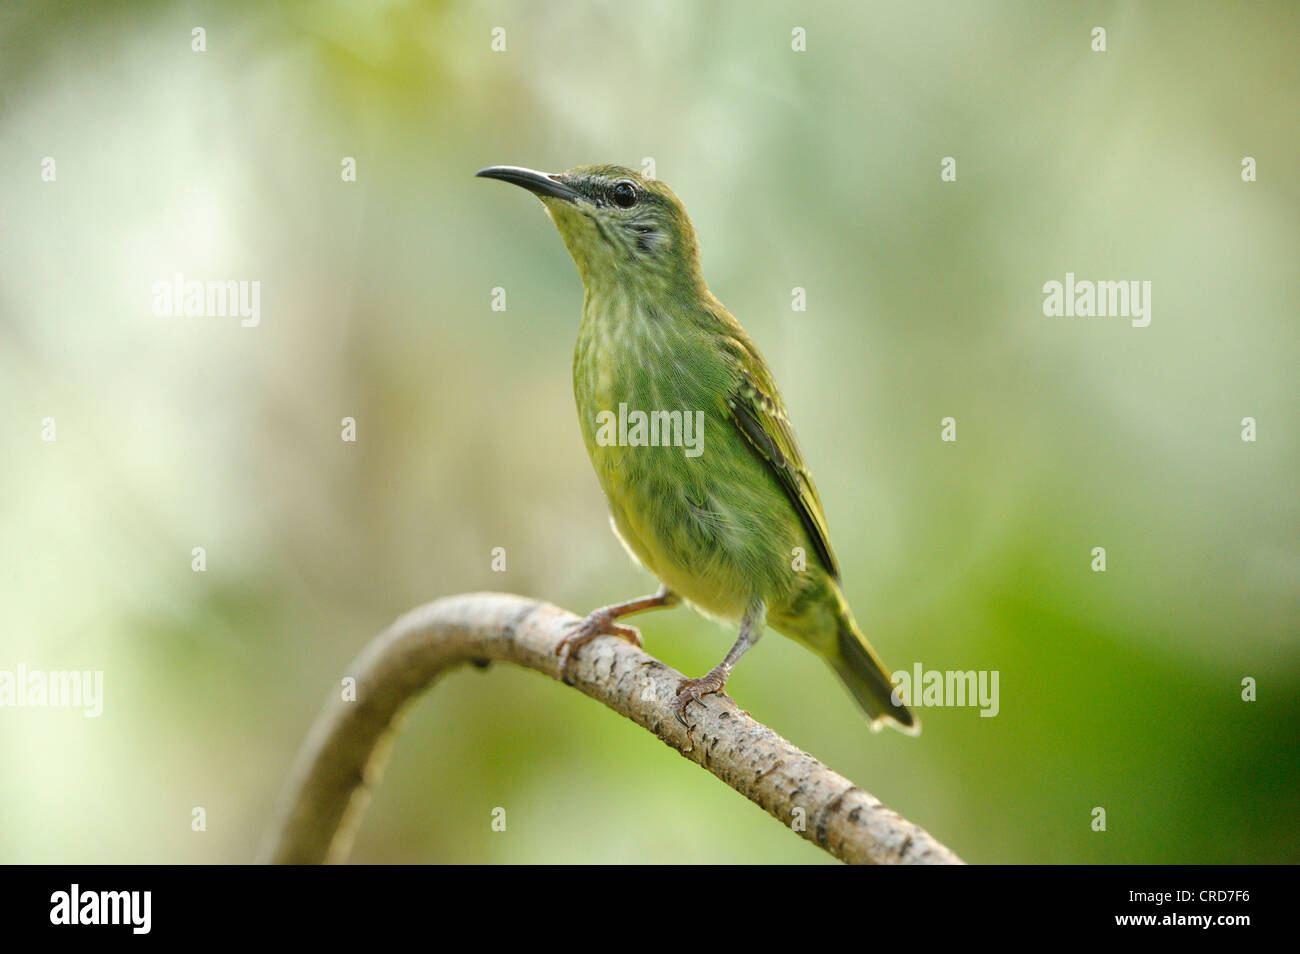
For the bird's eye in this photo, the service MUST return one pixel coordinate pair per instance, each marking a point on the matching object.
(623, 194)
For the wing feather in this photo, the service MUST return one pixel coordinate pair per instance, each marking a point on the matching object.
(758, 412)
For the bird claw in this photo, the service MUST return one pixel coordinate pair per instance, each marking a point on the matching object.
(597, 623)
(690, 690)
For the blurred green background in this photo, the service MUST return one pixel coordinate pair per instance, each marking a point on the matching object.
(817, 169)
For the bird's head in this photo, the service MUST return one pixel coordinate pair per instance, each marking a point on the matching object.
(618, 225)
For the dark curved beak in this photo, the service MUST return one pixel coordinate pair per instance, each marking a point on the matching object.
(538, 183)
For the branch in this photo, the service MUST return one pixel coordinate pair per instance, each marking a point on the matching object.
(344, 755)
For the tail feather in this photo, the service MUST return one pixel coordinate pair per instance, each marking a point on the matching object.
(868, 679)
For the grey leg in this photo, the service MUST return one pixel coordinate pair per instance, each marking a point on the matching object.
(600, 622)
(690, 690)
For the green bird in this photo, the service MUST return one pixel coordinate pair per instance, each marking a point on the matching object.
(690, 440)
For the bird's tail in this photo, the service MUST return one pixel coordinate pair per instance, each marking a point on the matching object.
(867, 678)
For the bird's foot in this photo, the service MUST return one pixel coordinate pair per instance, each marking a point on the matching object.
(690, 690)
(598, 623)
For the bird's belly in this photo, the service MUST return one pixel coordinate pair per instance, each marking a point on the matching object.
(715, 529)
(692, 501)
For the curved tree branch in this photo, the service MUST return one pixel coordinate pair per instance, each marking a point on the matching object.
(344, 755)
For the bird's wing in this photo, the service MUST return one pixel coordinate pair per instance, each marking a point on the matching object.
(758, 412)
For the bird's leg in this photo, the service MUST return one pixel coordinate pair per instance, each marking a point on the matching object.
(600, 622)
(690, 690)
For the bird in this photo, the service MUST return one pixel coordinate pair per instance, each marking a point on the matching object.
(727, 517)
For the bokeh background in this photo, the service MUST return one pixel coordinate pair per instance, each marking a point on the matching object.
(817, 169)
